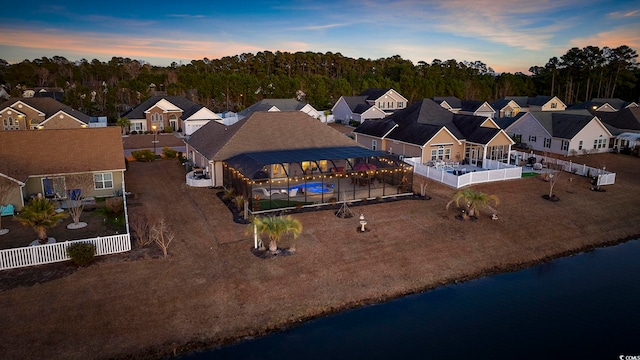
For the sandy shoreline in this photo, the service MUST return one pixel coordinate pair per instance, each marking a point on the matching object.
(213, 291)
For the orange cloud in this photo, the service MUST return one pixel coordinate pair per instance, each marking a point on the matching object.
(108, 45)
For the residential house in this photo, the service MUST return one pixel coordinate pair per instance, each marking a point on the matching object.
(291, 155)
(356, 109)
(280, 105)
(370, 104)
(538, 103)
(467, 107)
(39, 113)
(161, 112)
(39, 161)
(564, 132)
(505, 108)
(602, 105)
(625, 124)
(387, 100)
(427, 130)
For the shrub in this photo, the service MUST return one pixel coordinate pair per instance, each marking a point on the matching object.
(168, 130)
(169, 153)
(115, 205)
(81, 254)
(134, 132)
(143, 155)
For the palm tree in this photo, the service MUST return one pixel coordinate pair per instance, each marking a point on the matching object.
(473, 200)
(124, 123)
(275, 227)
(40, 214)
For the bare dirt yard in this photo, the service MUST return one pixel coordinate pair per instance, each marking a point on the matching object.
(212, 290)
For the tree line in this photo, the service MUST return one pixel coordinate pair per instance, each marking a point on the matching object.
(232, 83)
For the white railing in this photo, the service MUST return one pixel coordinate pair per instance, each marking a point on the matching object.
(507, 172)
(198, 181)
(57, 252)
(604, 177)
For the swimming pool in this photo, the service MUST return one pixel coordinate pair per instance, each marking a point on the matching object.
(314, 188)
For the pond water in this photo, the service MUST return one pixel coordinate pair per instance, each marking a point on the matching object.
(579, 307)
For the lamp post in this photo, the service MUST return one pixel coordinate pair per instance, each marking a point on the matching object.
(155, 139)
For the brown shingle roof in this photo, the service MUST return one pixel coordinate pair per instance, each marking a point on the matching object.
(47, 152)
(265, 131)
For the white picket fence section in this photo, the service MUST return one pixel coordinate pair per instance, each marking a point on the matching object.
(499, 172)
(57, 252)
(603, 176)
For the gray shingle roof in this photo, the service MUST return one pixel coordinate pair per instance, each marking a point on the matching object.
(138, 111)
(357, 104)
(420, 121)
(266, 104)
(377, 128)
(563, 124)
(625, 119)
(453, 101)
(373, 93)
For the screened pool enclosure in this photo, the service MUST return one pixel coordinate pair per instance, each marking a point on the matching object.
(305, 177)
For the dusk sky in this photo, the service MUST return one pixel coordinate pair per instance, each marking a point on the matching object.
(507, 35)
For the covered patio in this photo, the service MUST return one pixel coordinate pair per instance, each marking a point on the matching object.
(305, 177)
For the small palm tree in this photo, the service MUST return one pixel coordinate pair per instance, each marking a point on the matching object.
(40, 214)
(275, 227)
(124, 123)
(473, 200)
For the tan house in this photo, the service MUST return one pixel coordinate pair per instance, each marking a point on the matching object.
(39, 113)
(428, 131)
(40, 161)
(161, 112)
(370, 104)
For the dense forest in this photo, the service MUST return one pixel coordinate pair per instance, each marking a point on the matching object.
(232, 83)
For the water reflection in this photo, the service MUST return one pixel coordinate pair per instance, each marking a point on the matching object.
(580, 307)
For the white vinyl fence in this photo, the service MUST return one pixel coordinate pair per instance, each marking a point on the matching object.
(498, 172)
(603, 176)
(57, 252)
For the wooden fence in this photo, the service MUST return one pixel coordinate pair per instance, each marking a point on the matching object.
(57, 252)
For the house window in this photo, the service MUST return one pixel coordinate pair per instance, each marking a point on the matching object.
(381, 105)
(11, 124)
(374, 145)
(54, 187)
(554, 105)
(135, 126)
(532, 138)
(33, 124)
(580, 145)
(547, 142)
(278, 171)
(400, 104)
(390, 105)
(441, 153)
(103, 181)
(565, 145)
(156, 117)
(595, 143)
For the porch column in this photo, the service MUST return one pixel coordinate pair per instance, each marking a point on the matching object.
(484, 157)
